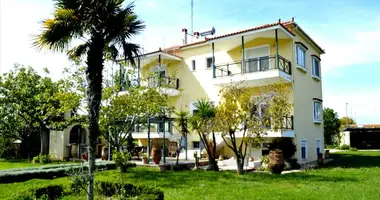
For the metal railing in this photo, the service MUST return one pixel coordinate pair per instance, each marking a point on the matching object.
(252, 65)
(288, 123)
(167, 82)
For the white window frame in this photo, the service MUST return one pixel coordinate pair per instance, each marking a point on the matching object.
(316, 120)
(303, 143)
(313, 74)
(302, 68)
(318, 145)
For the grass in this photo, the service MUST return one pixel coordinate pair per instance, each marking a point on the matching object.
(8, 164)
(353, 175)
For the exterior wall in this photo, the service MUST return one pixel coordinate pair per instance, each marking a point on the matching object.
(306, 88)
(345, 138)
(198, 84)
(58, 149)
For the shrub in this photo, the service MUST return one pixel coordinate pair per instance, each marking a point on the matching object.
(24, 175)
(122, 160)
(344, 147)
(42, 159)
(78, 180)
(353, 149)
(332, 146)
(286, 145)
(292, 164)
(50, 192)
(110, 189)
(265, 159)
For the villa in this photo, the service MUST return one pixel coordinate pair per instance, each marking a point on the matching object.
(280, 52)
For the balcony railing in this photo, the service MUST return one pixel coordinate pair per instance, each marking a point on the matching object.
(260, 64)
(166, 82)
(288, 123)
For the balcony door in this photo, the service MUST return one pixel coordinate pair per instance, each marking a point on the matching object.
(257, 59)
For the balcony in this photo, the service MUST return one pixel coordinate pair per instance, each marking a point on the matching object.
(255, 71)
(287, 129)
(166, 85)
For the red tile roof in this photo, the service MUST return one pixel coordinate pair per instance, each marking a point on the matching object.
(286, 25)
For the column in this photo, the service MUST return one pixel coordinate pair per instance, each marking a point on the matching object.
(242, 55)
(277, 61)
(213, 62)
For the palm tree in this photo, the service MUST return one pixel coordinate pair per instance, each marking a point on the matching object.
(203, 122)
(182, 124)
(106, 27)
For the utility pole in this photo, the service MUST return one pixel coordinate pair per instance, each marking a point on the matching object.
(346, 115)
(192, 15)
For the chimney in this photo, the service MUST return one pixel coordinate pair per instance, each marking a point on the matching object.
(184, 30)
(292, 19)
(196, 34)
(279, 20)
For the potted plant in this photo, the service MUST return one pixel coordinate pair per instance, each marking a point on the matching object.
(144, 158)
(156, 154)
(121, 160)
(320, 159)
(276, 161)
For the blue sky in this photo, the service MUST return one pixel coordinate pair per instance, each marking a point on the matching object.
(349, 31)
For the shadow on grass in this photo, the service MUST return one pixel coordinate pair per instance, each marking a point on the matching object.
(355, 160)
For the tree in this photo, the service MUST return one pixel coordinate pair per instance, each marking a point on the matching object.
(331, 125)
(106, 27)
(243, 118)
(120, 113)
(182, 124)
(30, 103)
(344, 120)
(203, 123)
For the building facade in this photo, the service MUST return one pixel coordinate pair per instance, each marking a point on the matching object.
(267, 54)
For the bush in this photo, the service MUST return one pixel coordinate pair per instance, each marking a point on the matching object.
(122, 160)
(344, 147)
(265, 160)
(286, 145)
(353, 149)
(292, 164)
(50, 192)
(42, 159)
(110, 189)
(24, 175)
(332, 146)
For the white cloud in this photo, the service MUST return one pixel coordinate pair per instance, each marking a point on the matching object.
(347, 47)
(151, 4)
(365, 105)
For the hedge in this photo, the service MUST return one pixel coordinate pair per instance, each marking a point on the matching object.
(51, 192)
(109, 189)
(50, 173)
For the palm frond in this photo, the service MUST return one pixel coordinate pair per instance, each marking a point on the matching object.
(130, 51)
(112, 52)
(58, 31)
(77, 51)
(205, 108)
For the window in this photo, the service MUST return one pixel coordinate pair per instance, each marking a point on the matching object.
(301, 57)
(316, 68)
(318, 145)
(193, 65)
(195, 144)
(303, 149)
(317, 111)
(161, 127)
(209, 62)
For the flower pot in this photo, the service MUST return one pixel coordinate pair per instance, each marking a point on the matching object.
(145, 160)
(156, 155)
(276, 161)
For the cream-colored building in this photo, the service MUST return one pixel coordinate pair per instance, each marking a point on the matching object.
(267, 54)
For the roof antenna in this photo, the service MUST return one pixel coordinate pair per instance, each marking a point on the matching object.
(192, 14)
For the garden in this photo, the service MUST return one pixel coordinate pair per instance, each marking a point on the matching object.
(352, 175)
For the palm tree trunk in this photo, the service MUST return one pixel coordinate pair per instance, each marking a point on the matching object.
(94, 95)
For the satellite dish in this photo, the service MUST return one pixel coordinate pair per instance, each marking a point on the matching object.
(207, 32)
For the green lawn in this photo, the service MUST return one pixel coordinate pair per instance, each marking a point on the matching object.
(353, 175)
(8, 164)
